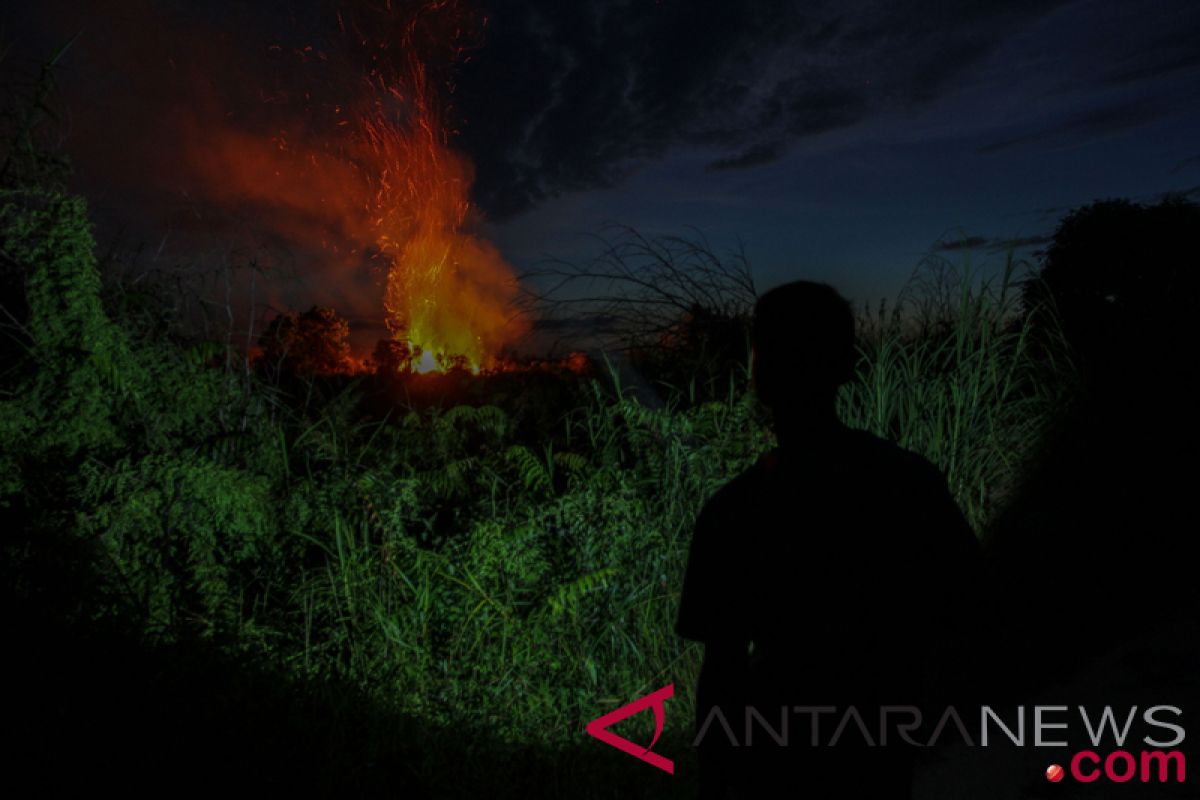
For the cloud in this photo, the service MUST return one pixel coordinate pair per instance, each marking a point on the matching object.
(564, 97)
(1085, 125)
(965, 243)
(996, 244)
(1193, 161)
(572, 96)
(1190, 192)
(1165, 46)
(753, 156)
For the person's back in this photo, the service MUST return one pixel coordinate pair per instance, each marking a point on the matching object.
(841, 558)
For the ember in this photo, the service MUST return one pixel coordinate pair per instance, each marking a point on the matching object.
(448, 291)
(372, 181)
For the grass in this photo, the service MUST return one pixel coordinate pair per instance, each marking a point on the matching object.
(953, 373)
(558, 602)
(492, 582)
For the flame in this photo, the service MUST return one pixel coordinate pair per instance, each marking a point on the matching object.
(374, 180)
(448, 292)
(425, 363)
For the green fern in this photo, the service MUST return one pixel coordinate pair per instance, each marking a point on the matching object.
(567, 595)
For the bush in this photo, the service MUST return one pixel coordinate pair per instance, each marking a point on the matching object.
(453, 564)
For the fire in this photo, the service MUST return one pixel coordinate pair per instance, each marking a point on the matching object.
(448, 291)
(426, 362)
(373, 179)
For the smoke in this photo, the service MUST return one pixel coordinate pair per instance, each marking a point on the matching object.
(316, 146)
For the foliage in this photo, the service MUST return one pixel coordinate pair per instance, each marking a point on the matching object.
(454, 563)
(951, 372)
(680, 309)
(1121, 279)
(316, 342)
(390, 357)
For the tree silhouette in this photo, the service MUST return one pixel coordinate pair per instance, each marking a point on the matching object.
(1122, 280)
(316, 342)
(1108, 502)
(390, 357)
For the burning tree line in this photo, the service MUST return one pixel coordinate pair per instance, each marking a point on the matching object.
(317, 343)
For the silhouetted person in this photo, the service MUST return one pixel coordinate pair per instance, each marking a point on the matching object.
(836, 572)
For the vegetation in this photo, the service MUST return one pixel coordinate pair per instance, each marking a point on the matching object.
(487, 573)
(446, 562)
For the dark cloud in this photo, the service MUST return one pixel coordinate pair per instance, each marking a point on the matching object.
(1086, 125)
(754, 156)
(1192, 191)
(1156, 65)
(1021, 242)
(991, 244)
(965, 243)
(1193, 161)
(571, 95)
(808, 111)
(1166, 47)
(574, 95)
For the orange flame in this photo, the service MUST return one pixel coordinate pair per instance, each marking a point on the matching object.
(388, 183)
(448, 292)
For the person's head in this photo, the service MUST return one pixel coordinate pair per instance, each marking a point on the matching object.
(803, 339)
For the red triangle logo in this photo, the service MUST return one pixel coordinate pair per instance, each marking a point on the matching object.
(599, 727)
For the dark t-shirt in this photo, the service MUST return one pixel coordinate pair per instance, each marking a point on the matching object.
(848, 565)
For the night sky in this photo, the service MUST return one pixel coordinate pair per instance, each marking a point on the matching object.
(839, 141)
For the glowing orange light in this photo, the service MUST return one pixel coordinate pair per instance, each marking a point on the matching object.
(388, 183)
(448, 291)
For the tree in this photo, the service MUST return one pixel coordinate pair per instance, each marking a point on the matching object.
(390, 357)
(316, 342)
(1122, 279)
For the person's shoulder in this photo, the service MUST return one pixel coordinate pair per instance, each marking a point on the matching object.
(738, 491)
(892, 459)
